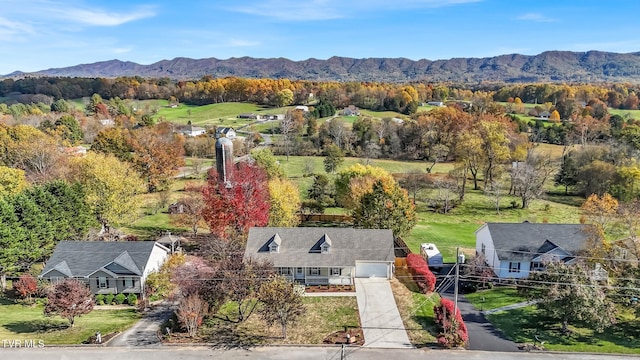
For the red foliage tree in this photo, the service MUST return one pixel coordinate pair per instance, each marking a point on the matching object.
(420, 273)
(69, 299)
(26, 286)
(232, 210)
(452, 331)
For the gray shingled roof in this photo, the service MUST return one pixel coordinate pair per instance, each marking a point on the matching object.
(81, 258)
(525, 241)
(301, 246)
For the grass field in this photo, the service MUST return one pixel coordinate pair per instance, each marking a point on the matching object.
(28, 322)
(416, 309)
(630, 114)
(219, 114)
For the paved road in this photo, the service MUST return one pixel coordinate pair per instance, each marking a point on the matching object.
(379, 316)
(482, 335)
(145, 331)
(279, 353)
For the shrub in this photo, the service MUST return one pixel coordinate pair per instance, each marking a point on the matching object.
(108, 299)
(420, 273)
(132, 299)
(26, 286)
(100, 299)
(452, 332)
(120, 298)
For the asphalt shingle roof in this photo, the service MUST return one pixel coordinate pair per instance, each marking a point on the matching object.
(525, 241)
(301, 246)
(81, 258)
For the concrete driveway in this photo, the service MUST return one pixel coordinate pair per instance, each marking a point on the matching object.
(379, 316)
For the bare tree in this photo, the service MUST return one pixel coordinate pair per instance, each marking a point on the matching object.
(444, 194)
(414, 181)
(338, 131)
(528, 177)
(282, 302)
(191, 311)
(287, 126)
(495, 191)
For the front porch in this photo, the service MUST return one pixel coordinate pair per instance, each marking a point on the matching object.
(318, 275)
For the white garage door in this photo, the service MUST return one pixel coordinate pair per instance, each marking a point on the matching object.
(372, 269)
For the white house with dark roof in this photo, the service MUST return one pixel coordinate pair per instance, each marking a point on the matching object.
(107, 267)
(227, 132)
(512, 250)
(193, 131)
(316, 256)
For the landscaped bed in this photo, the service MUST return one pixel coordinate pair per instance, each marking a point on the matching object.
(325, 316)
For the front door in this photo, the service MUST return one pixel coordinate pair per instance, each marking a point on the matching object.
(299, 273)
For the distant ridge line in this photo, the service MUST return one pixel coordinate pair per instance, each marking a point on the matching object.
(549, 66)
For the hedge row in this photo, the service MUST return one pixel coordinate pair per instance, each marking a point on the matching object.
(420, 273)
(109, 299)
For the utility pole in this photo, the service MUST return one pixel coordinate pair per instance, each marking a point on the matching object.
(457, 278)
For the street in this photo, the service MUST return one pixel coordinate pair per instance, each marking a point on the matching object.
(278, 353)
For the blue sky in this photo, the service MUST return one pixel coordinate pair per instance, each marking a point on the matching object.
(42, 34)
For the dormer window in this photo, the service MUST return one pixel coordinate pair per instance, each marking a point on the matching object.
(324, 248)
(274, 245)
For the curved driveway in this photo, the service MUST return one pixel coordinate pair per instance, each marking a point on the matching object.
(379, 315)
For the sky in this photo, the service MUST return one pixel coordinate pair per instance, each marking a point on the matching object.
(42, 34)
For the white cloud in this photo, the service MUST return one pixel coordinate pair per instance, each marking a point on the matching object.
(536, 17)
(122, 50)
(296, 10)
(102, 17)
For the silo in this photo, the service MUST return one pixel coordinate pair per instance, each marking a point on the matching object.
(224, 160)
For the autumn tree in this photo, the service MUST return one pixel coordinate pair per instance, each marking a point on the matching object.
(569, 294)
(356, 180)
(115, 141)
(110, 188)
(232, 210)
(192, 209)
(158, 154)
(26, 286)
(282, 302)
(284, 203)
(555, 116)
(600, 211)
(12, 181)
(267, 161)
(69, 299)
(495, 145)
(387, 206)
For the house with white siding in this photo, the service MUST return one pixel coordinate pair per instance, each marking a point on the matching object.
(513, 250)
(107, 267)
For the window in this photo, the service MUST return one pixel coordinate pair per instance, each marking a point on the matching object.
(102, 282)
(483, 249)
(128, 282)
(285, 271)
(299, 271)
(336, 271)
(273, 248)
(324, 249)
(314, 271)
(624, 254)
(55, 279)
(514, 267)
(537, 266)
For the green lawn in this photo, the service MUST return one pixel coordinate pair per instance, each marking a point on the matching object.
(631, 114)
(521, 325)
(495, 298)
(221, 114)
(416, 309)
(28, 322)
(382, 114)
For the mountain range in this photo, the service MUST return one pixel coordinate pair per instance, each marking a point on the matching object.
(550, 66)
